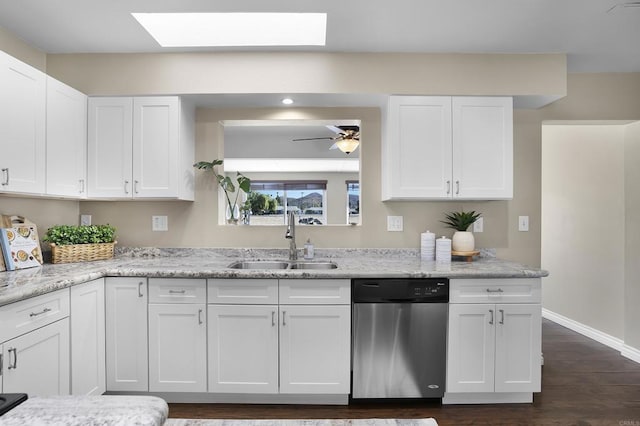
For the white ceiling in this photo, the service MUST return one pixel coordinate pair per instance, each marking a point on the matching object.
(595, 37)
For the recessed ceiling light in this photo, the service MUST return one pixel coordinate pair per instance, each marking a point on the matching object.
(235, 29)
(287, 101)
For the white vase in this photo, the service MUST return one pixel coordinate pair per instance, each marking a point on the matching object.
(463, 241)
(232, 216)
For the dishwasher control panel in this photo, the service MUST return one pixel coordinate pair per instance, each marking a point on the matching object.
(400, 290)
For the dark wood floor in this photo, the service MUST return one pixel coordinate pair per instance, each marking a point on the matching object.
(583, 383)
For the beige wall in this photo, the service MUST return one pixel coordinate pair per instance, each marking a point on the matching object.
(583, 213)
(21, 50)
(44, 213)
(632, 233)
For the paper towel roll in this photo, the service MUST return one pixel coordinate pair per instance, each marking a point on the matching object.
(428, 245)
(443, 250)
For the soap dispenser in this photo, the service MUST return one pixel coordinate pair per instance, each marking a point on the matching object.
(308, 249)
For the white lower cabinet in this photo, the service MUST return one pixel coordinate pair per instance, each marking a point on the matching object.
(285, 346)
(177, 335)
(37, 363)
(88, 338)
(494, 347)
(126, 334)
(315, 353)
(243, 348)
(34, 337)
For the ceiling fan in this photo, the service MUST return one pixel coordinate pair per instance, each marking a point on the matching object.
(347, 138)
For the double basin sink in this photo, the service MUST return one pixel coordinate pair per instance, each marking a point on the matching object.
(293, 264)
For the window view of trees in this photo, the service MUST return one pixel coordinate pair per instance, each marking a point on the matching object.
(269, 202)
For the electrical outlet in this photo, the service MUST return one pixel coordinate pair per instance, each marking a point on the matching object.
(523, 223)
(85, 219)
(159, 223)
(394, 223)
(478, 225)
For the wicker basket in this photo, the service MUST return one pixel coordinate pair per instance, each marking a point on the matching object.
(81, 252)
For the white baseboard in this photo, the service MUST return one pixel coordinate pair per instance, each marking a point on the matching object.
(597, 335)
(630, 352)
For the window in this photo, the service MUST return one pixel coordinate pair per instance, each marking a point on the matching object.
(269, 202)
(353, 202)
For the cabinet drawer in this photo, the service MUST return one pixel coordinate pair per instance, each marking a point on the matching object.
(27, 315)
(243, 291)
(504, 290)
(177, 290)
(315, 292)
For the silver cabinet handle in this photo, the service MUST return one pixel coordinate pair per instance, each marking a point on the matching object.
(126, 186)
(140, 284)
(5, 171)
(501, 316)
(177, 291)
(489, 290)
(273, 318)
(284, 313)
(15, 358)
(81, 181)
(199, 316)
(1, 364)
(457, 187)
(135, 186)
(491, 320)
(448, 187)
(44, 311)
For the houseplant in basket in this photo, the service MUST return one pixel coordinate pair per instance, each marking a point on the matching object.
(71, 243)
(229, 186)
(463, 240)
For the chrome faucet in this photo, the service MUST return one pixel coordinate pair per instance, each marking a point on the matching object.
(291, 236)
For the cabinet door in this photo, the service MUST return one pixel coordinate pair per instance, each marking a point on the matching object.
(109, 148)
(156, 153)
(66, 140)
(315, 349)
(471, 348)
(417, 153)
(482, 147)
(88, 339)
(22, 127)
(518, 348)
(177, 348)
(126, 332)
(37, 363)
(243, 348)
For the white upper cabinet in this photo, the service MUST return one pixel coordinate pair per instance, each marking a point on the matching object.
(22, 127)
(482, 148)
(443, 147)
(141, 147)
(66, 132)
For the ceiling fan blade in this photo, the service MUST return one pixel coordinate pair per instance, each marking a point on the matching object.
(334, 129)
(334, 146)
(311, 139)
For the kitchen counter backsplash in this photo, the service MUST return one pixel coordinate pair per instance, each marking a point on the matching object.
(214, 262)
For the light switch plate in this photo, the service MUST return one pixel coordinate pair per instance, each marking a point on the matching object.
(478, 225)
(85, 219)
(394, 223)
(159, 223)
(523, 223)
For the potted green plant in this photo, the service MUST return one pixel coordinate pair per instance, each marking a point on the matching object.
(71, 243)
(463, 240)
(242, 183)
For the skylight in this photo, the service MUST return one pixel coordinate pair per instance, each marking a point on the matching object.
(235, 29)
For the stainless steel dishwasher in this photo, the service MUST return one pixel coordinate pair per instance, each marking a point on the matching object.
(399, 338)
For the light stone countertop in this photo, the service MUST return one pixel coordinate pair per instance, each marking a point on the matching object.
(214, 262)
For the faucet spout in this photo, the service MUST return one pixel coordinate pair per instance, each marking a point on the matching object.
(291, 236)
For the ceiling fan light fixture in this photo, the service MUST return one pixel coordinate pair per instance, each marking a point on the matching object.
(347, 145)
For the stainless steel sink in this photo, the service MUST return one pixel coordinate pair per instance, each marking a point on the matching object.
(259, 264)
(276, 264)
(314, 265)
